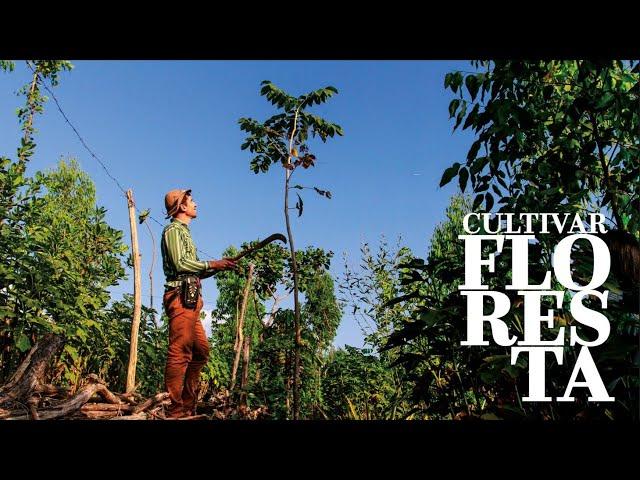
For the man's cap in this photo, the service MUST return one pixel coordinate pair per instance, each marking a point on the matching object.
(173, 200)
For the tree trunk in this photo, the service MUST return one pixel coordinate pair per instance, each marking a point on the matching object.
(29, 378)
(287, 383)
(294, 267)
(258, 362)
(244, 379)
(296, 303)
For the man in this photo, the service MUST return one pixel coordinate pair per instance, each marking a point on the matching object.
(188, 345)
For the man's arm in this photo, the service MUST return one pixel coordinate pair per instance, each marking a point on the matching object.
(204, 269)
(218, 265)
(176, 255)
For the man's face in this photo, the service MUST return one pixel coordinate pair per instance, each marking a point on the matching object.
(189, 207)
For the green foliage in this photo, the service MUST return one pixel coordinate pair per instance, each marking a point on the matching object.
(399, 299)
(12, 180)
(42, 70)
(357, 386)
(321, 315)
(555, 137)
(60, 256)
(561, 134)
(272, 344)
(442, 376)
(7, 65)
(107, 352)
(275, 354)
(283, 138)
(365, 292)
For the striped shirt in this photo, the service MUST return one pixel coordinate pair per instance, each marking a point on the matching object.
(179, 254)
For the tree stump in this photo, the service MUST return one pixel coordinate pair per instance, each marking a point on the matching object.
(29, 378)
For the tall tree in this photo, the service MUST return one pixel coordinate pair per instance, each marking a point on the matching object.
(284, 139)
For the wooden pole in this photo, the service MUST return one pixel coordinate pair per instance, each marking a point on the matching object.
(244, 378)
(240, 328)
(137, 301)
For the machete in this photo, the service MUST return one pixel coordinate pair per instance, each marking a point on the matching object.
(259, 245)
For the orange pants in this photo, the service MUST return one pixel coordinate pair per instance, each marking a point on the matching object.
(188, 353)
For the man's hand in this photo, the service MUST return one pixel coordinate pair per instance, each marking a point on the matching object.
(224, 264)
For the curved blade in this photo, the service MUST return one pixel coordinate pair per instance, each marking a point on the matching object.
(261, 244)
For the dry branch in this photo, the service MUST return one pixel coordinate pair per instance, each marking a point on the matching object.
(151, 402)
(137, 416)
(105, 407)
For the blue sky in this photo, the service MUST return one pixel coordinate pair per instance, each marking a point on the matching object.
(160, 125)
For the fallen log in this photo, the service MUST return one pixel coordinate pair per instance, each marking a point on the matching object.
(18, 374)
(28, 396)
(127, 397)
(53, 391)
(158, 398)
(73, 404)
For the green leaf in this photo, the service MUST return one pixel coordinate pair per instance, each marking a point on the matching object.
(453, 106)
(429, 317)
(473, 84)
(463, 177)
(497, 358)
(477, 201)
(23, 344)
(478, 164)
(471, 117)
(73, 353)
(605, 100)
(449, 173)
(456, 81)
(473, 151)
(299, 205)
(461, 114)
(447, 79)
(489, 200)
(143, 216)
